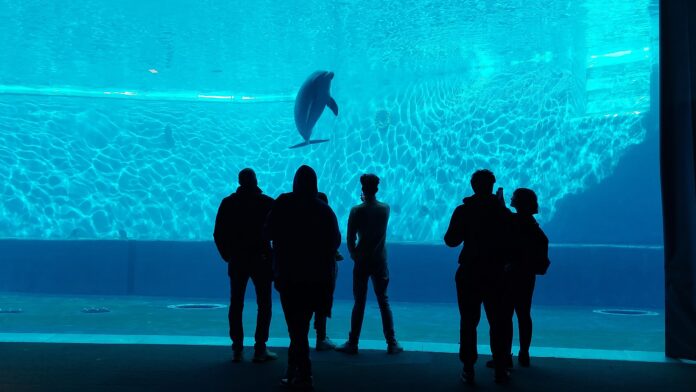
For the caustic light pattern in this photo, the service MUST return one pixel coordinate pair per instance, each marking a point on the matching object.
(555, 120)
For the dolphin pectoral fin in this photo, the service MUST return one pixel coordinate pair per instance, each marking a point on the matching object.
(307, 143)
(333, 106)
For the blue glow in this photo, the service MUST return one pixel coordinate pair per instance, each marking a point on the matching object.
(113, 123)
(365, 344)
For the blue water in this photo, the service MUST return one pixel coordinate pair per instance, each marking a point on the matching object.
(124, 123)
(131, 119)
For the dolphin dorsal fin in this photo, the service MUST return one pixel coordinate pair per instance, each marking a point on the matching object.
(333, 106)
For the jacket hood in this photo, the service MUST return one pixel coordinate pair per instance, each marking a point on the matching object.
(305, 182)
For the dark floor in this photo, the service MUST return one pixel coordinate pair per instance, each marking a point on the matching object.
(87, 367)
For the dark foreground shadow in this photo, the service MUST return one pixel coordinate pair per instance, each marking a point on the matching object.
(72, 367)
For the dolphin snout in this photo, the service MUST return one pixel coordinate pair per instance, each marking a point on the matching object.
(330, 75)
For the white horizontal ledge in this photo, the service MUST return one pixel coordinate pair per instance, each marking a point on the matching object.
(183, 96)
(189, 340)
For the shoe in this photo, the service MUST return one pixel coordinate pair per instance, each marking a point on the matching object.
(325, 344)
(302, 383)
(348, 348)
(523, 358)
(394, 348)
(237, 356)
(501, 376)
(491, 364)
(264, 356)
(468, 375)
(286, 380)
(305, 383)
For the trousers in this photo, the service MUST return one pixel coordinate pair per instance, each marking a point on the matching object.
(262, 277)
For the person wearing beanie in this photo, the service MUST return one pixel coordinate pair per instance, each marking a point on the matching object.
(239, 239)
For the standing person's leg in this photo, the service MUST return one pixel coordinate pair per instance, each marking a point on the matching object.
(360, 280)
(380, 282)
(469, 301)
(324, 343)
(523, 308)
(239, 277)
(499, 315)
(507, 312)
(306, 306)
(320, 326)
(287, 301)
(263, 284)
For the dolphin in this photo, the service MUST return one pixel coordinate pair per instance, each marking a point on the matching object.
(310, 102)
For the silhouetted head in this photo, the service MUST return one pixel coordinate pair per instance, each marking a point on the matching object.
(305, 182)
(247, 178)
(525, 201)
(322, 196)
(482, 182)
(370, 184)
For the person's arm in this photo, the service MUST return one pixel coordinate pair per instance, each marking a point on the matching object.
(335, 232)
(268, 232)
(352, 233)
(267, 249)
(500, 196)
(455, 232)
(221, 230)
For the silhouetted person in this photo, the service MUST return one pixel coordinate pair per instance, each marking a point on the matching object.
(324, 343)
(168, 137)
(528, 257)
(239, 239)
(305, 237)
(368, 222)
(481, 224)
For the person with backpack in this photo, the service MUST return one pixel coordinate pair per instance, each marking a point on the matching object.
(528, 257)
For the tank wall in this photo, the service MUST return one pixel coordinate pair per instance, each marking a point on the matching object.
(578, 276)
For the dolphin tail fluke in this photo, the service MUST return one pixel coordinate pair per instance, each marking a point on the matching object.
(333, 106)
(300, 145)
(308, 142)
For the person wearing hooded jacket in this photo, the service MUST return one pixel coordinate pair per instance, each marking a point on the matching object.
(239, 239)
(305, 237)
(481, 223)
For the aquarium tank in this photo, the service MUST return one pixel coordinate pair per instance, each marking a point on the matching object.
(124, 123)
